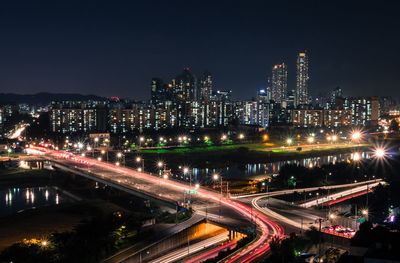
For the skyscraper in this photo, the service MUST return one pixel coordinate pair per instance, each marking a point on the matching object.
(206, 85)
(157, 91)
(279, 83)
(302, 80)
(186, 87)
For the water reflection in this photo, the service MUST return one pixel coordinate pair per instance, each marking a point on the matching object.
(259, 169)
(19, 199)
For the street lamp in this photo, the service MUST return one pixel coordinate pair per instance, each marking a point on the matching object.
(186, 171)
(310, 139)
(334, 138)
(356, 156)
(99, 159)
(241, 136)
(380, 153)
(289, 141)
(141, 140)
(140, 160)
(161, 167)
(356, 135)
(197, 186)
(120, 155)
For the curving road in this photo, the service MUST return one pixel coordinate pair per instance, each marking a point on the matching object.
(172, 190)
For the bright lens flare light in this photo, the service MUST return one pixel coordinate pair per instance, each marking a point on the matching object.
(356, 135)
(356, 156)
(380, 152)
(310, 139)
(215, 176)
(289, 141)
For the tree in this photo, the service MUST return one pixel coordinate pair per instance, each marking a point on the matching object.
(394, 126)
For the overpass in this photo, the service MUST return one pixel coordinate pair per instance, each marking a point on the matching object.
(171, 192)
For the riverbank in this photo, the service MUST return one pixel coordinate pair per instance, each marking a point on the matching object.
(240, 154)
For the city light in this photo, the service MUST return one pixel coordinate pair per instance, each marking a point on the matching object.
(356, 135)
(332, 216)
(96, 139)
(289, 141)
(138, 159)
(117, 163)
(310, 139)
(103, 152)
(356, 156)
(119, 155)
(364, 212)
(265, 137)
(224, 137)
(197, 186)
(241, 136)
(334, 138)
(165, 176)
(99, 159)
(380, 153)
(141, 139)
(160, 164)
(185, 170)
(215, 176)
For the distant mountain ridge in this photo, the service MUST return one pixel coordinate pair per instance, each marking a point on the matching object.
(44, 98)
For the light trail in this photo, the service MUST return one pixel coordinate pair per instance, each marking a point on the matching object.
(341, 194)
(256, 249)
(183, 252)
(308, 189)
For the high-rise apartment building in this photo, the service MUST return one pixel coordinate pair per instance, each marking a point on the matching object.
(302, 80)
(279, 83)
(206, 86)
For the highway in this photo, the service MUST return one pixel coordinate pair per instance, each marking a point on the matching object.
(299, 216)
(185, 251)
(173, 191)
(308, 189)
(349, 192)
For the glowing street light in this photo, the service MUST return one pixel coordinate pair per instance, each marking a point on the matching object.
(197, 186)
(380, 153)
(117, 163)
(224, 137)
(140, 160)
(289, 141)
(241, 136)
(334, 138)
(185, 170)
(332, 216)
(99, 159)
(356, 156)
(356, 135)
(119, 155)
(160, 164)
(311, 139)
(165, 176)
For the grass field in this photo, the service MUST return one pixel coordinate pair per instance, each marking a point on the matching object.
(256, 147)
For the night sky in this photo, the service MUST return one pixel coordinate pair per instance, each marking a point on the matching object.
(116, 47)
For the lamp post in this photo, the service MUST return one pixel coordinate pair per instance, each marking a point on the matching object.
(104, 152)
(141, 161)
(119, 156)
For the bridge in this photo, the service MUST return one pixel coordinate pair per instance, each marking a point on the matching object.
(172, 193)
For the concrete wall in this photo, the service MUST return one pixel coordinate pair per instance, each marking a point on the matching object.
(197, 232)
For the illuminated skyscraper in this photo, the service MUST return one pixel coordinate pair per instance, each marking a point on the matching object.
(302, 80)
(206, 85)
(279, 83)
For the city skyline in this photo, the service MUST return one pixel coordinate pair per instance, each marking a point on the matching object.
(115, 50)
